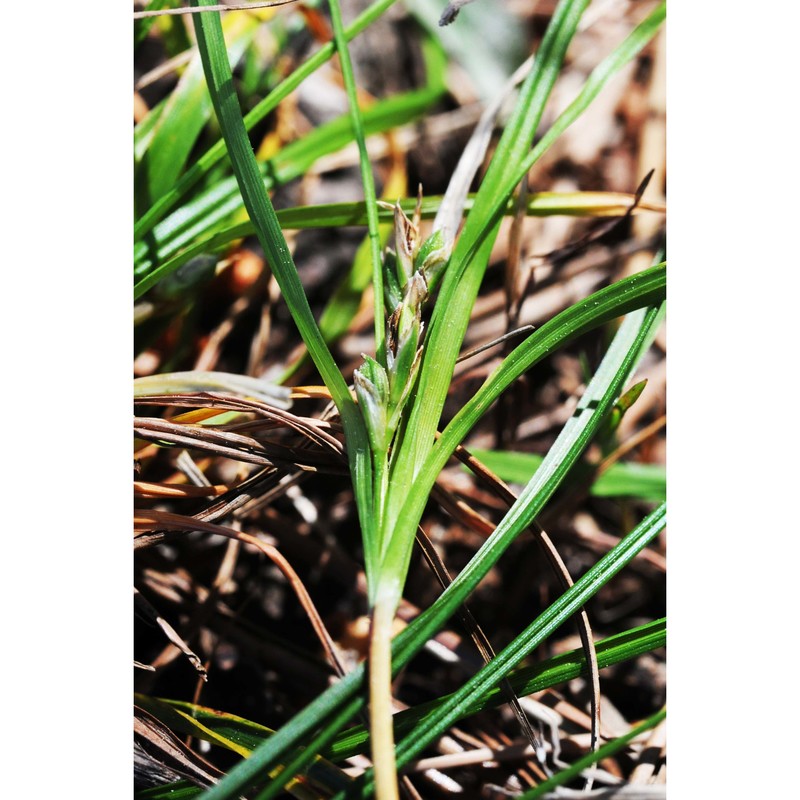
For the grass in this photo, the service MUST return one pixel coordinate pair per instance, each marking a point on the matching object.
(390, 431)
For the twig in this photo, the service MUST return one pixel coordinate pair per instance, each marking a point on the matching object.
(629, 444)
(232, 7)
(148, 519)
(144, 607)
(525, 329)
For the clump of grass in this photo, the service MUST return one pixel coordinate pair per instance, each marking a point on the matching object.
(424, 292)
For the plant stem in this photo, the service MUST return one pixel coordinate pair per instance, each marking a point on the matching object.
(380, 697)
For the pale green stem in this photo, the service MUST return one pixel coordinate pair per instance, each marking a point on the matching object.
(380, 697)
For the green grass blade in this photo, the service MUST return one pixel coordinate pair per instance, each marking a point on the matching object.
(223, 730)
(335, 215)
(180, 790)
(540, 204)
(238, 735)
(367, 178)
(183, 117)
(338, 314)
(591, 758)
(625, 479)
(527, 680)
(480, 693)
(143, 131)
(643, 481)
(259, 207)
(217, 152)
(335, 707)
(262, 214)
(308, 754)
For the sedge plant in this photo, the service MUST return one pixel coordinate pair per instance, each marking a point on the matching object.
(392, 415)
